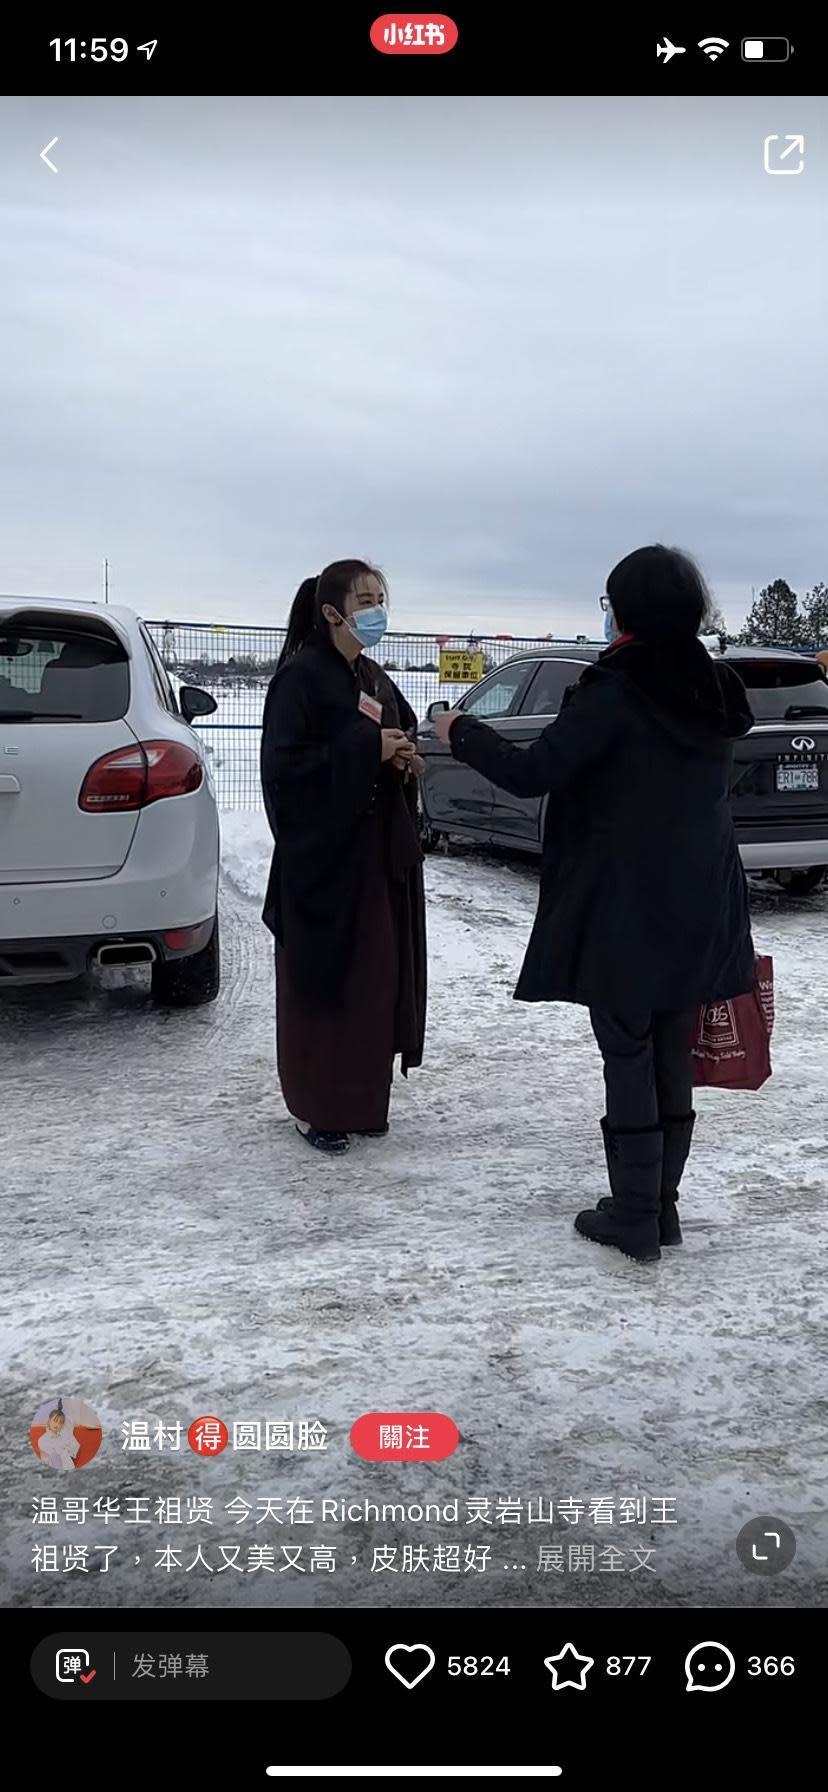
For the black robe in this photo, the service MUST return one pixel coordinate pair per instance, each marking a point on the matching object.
(643, 899)
(332, 805)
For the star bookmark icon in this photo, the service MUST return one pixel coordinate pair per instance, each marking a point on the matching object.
(569, 1669)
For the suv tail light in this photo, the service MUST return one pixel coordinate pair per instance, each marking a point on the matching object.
(132, 777)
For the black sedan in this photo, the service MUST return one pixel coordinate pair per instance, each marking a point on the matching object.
(780, 774)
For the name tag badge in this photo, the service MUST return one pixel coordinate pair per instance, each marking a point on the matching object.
(368, 706)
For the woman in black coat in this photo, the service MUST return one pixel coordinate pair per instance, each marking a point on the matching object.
(643, 911)
(345, 897)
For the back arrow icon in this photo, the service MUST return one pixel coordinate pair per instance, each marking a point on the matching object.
(44, 155)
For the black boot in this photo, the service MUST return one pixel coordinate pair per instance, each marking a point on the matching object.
(630, 1220)
(678, 1135)
(334, 1143)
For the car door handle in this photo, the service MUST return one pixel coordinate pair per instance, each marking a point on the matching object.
(9, 786)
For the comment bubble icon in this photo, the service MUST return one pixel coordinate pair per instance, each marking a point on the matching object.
(709, 1667)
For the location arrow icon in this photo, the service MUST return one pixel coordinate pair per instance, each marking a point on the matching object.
(44, 155)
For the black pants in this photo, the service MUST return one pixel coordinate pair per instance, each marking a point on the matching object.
(648, 1069)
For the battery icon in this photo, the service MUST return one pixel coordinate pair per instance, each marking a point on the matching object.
(766, 49)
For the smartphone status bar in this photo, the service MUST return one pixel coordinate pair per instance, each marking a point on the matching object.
(364, 49)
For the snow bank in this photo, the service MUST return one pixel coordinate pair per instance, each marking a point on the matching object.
(246, 849)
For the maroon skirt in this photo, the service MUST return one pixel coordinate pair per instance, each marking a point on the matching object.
(336, 1066)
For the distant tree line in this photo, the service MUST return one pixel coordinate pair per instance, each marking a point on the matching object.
(249, 668)
(245, 668)
(412, 666)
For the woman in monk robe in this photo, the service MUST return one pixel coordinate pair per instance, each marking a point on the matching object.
(345, 899)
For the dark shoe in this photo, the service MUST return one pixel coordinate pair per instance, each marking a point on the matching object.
(678, 1135)
(381, 1132)
(630, 1220)
(335, 1143)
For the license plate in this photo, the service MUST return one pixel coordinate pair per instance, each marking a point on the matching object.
(797, 777)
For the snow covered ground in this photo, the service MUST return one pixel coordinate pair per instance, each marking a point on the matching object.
(172, 1249)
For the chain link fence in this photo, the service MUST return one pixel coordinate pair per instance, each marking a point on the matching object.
(236, 665)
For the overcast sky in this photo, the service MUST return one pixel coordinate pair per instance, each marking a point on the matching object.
(492, 344)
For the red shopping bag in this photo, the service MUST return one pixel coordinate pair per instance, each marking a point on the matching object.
(731, 1046)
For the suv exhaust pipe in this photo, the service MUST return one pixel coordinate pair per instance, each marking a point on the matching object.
(127, 952)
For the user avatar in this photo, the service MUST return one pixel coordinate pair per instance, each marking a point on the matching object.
(66, 1433)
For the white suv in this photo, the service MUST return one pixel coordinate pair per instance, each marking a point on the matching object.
(109, 835)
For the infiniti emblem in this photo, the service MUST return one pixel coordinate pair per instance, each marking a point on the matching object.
(803, 744)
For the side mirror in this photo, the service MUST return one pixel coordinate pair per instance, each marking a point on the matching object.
(194, 702)
(437, 708)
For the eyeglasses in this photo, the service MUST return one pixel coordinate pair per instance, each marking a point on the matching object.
(605, 602)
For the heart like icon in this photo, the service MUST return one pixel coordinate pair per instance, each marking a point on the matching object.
(421, 1649)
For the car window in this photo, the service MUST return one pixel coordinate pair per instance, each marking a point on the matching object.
(496, 696)
(67, 675)
(163, 688)
(779, 689)
(546, 692)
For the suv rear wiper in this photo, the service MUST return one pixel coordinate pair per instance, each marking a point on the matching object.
(39, 715)
(798, 710)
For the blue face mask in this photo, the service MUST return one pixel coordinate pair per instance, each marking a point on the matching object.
(610, 628)
(369, 625)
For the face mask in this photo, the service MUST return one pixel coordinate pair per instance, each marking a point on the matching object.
(369, 626)
(610, 629)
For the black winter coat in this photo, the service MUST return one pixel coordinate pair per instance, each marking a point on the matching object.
(331, 804)
(643, 900)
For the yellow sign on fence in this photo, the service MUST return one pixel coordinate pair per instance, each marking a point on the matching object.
(460, 666)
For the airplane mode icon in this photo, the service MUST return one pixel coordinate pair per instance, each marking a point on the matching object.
(668, 50)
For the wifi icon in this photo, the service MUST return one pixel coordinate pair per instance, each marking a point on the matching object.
(714, 47)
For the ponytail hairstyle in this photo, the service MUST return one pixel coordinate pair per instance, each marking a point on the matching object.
(301, 621)
(306, 622)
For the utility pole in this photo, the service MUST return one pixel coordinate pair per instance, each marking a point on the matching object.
(106, 581)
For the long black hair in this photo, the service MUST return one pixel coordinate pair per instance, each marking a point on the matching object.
(306, 621)
(658, 594)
